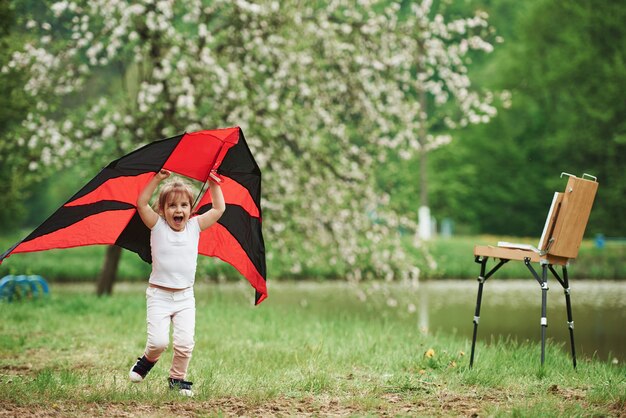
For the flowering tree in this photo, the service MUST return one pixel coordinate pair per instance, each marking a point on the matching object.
(324, 93)
(442, 84)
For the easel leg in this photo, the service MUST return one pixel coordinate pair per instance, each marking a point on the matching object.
(570, 319)
(481, 282)
(543, 282)
(568, 303)
(544, 318)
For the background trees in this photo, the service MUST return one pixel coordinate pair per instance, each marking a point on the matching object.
(564, 66)
(14, 104)
(576, 76)
(331, 96)
(328, 91)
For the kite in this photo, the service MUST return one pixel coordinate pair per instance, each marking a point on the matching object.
(104, 211)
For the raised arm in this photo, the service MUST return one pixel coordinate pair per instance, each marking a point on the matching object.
(219, 206)
(147, 214)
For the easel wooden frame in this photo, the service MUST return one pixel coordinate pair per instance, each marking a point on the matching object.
(561, 238)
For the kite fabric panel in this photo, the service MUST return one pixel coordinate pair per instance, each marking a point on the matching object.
(104, 211)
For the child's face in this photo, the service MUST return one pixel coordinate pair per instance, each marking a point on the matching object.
(177, 211)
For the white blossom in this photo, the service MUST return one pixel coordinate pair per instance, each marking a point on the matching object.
(59, 7)
(323, 92)
(108, 131)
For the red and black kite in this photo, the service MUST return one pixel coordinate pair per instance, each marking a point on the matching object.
(104, 211)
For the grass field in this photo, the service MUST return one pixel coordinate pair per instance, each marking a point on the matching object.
(448, 258)
(311, 349)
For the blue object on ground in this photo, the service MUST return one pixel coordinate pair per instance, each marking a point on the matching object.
(23, 287)
(600, 241)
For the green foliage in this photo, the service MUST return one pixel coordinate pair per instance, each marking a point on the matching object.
(485, 180)
(567, 113)
(578, 84)
(14, 105)
(571, 81)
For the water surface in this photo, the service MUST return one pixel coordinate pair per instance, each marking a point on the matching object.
(512, 308)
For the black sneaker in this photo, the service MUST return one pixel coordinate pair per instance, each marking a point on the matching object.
(183, 387)
(140, 369)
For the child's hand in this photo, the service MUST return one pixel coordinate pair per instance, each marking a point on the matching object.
(163, 174)
(215, 178)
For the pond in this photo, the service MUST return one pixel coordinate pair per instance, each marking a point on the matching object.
(512, 308)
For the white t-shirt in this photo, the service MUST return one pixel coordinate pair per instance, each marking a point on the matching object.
(174, 254)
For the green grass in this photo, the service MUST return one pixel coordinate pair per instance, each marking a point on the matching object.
(309, 349)
(452, 257)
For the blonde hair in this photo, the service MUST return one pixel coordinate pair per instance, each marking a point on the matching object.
(172, 190)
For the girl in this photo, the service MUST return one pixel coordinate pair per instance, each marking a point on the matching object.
(174, 241)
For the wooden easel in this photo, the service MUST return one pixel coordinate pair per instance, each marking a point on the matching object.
(562, 234)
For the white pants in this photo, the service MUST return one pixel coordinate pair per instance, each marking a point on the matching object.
(163, 308)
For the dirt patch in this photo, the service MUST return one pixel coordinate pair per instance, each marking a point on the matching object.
(568, 393)
(618, 409)
(8, 372)
(223, 406)
(441, 403)
(278, 407)
(386, 406)
(16, 369)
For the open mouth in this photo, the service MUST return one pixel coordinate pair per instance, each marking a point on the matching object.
(178, 219)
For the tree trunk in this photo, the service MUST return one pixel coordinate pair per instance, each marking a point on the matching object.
(109, 270)
(424, 231)
(423, 151)
(423, 158)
